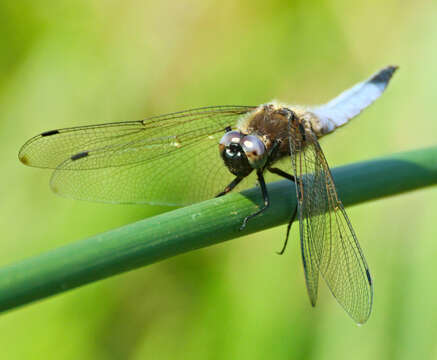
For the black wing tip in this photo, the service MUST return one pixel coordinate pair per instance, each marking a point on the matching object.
(79, 155)
(22, 156)
(369, 278)
(50, 132)
(384, 75)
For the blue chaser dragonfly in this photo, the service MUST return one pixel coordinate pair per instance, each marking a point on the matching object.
(150, 161)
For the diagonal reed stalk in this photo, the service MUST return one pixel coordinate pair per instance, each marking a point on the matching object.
(200, 225)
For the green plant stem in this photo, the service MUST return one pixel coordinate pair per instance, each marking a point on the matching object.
(200, 225)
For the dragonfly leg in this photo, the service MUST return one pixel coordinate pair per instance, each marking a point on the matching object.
(282, 173)
(288, 231)
(265, 195)
(233, 184)
(272, 154)
(293, 217)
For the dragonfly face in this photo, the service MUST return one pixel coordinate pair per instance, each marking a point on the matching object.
(242, 153)
(146, 162)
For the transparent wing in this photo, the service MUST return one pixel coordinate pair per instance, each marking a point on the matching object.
(351, 102)
(122, 143)
(329, 244)
(169, 159)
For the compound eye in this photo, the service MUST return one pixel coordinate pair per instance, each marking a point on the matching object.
(255, 150)
(231, 137)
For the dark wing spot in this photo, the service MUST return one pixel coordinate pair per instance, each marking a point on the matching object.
(24, 159)
(384, 75)
(51, 132)
(368, 277)
(79, 155)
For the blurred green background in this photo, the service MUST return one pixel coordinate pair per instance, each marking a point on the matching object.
(74, 63)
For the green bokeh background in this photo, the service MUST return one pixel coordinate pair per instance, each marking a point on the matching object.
(75, 63)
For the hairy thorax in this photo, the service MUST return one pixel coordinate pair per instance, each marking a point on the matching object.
(275, 121)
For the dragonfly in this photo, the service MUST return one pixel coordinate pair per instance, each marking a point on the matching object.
(193, 155)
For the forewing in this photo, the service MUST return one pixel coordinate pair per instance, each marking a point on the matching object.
(329, 243)
(122, 143)
(169, 159)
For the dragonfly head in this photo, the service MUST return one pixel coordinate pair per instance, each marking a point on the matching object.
(242, 153)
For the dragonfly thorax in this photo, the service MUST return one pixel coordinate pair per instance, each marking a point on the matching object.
(242, 153)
